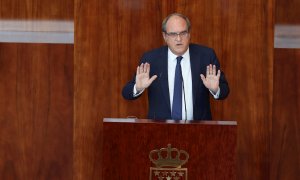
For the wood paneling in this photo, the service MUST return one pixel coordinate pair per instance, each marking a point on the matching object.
(36, 111)
(287, 12)
(211, 146)
(287, 20)
(287, 36)
(37, 9)
(285, 149)
(37, 31)
(110, 38)
(242, 35)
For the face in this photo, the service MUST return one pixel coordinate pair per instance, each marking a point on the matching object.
(177, 36)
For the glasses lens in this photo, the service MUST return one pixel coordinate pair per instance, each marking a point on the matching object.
(184, 33)
(174, 34)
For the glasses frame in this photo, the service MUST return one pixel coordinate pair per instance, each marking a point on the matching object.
(176, 34)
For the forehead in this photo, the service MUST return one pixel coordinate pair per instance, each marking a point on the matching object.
(176, 24)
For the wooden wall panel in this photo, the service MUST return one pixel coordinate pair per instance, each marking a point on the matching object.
(37, 9)
(242, 35)
(36, 111)
(287, 12)
(110, 38)
(224, 27)
(285, 151)
(285, 148)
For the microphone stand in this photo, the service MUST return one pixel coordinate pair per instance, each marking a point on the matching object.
(184, 99)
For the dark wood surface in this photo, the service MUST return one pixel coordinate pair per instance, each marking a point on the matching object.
(168, 121)
(211, 147)
(110, 38)
(285, 149)
(287, 12)
(37, 9)
(36, 111)
(285, 144)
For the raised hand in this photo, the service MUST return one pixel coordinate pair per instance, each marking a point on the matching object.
(211, 81)
(142, 79)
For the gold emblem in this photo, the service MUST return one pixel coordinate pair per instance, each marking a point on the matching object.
(168, 162)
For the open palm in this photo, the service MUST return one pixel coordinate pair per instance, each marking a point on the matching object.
(211, 81)
(142, 78)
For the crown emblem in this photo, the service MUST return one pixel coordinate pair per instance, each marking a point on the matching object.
(168, 157)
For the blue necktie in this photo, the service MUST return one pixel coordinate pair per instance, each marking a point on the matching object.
(177, 97)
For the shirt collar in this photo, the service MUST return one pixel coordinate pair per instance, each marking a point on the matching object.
(173, 56)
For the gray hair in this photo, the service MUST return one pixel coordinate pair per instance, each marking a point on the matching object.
(164, 23)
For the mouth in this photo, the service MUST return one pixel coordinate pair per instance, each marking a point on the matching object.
(178, 44)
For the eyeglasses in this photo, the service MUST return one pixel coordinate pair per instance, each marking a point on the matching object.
(175, 35)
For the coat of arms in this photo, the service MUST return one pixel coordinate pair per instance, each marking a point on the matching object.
(168, 162)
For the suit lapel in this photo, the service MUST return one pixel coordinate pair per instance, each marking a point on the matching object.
(164, 76)
(195, 71)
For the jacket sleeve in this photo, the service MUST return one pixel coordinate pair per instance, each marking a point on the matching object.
(223, 84)
(127, 91)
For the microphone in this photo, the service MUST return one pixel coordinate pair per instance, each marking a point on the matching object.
(184, 98)
(158, 79)
(160, 75)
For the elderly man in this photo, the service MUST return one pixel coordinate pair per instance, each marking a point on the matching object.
(180, 76)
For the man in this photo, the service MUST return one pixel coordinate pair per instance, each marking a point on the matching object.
(177, 87)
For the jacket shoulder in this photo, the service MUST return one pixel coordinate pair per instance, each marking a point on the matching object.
(156, 51)
(154, 54)
(200, 48)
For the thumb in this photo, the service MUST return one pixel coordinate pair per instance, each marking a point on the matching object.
(152, 78)
(202, 77)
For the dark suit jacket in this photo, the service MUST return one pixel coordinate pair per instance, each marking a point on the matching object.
(158, 91)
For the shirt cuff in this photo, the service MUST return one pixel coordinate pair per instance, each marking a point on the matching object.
(137, 93)
(216, 96)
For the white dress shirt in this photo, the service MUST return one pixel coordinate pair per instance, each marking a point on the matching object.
(187, 93)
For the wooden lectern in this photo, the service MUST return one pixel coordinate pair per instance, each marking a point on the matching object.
(127, 143)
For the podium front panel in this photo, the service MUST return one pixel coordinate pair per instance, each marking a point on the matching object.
(127, 143)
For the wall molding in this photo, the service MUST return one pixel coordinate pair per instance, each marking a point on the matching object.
(37, 31)
(287, 36)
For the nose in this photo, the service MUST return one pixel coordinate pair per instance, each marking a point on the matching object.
(178, 37)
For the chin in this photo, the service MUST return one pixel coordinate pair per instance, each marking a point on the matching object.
(180, 52)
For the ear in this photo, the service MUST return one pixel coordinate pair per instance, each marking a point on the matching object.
(189, 35)
(164, 36)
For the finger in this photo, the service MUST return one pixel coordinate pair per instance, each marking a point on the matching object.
(138, 70)
(214, 70)
(207, 70)
(147, 68)
(202, 77)
(152, 78)
(219, 74)
(142, 68)
(210, 69)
